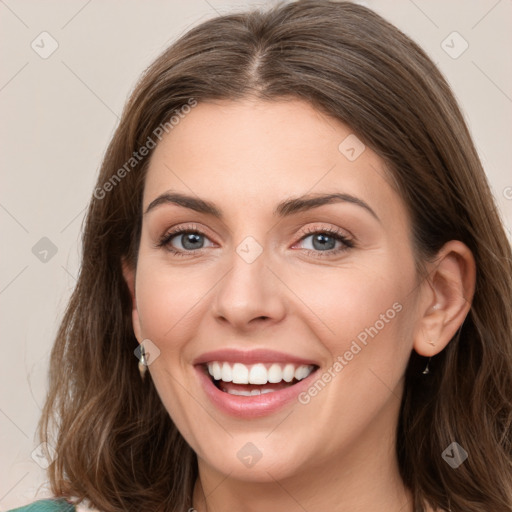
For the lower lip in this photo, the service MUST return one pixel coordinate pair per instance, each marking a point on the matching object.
(254, 405)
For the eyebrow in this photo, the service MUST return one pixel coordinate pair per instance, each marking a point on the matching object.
(284, 209)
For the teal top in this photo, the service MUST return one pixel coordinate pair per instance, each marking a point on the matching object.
(51, 505)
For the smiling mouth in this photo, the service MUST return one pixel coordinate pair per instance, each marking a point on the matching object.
(256, 379)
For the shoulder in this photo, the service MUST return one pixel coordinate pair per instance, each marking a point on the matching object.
(53, 505)
(48, 505)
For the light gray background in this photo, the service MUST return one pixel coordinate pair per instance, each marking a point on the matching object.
(59, 113)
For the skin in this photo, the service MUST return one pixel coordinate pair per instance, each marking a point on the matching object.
(338, 451)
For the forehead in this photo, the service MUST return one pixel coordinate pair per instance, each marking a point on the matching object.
(254, 152)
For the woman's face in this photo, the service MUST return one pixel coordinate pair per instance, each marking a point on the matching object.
(269, 283)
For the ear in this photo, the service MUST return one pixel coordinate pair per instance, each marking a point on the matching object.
(448, 293)
(129, 277)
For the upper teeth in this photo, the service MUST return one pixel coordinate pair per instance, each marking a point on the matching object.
(257, 373)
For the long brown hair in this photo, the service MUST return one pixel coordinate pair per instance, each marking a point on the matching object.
(116, 445)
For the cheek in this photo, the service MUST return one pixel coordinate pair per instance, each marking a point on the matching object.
(368, 315)
(376, 324)
(367, 308)
(167, 299)
(356, 302)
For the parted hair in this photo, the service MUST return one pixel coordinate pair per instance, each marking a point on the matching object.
(116, 446)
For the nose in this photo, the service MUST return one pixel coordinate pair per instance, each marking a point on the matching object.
(249, 294)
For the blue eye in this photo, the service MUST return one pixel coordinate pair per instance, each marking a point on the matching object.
(324, 242)
(192, 240)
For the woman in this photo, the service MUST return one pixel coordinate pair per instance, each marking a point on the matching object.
(293, 233)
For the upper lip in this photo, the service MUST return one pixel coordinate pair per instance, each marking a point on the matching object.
(251, 357)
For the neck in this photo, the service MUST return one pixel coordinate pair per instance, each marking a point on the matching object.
(365, 476)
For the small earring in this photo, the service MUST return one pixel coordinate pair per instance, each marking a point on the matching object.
(426, 371)
(142, 363)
